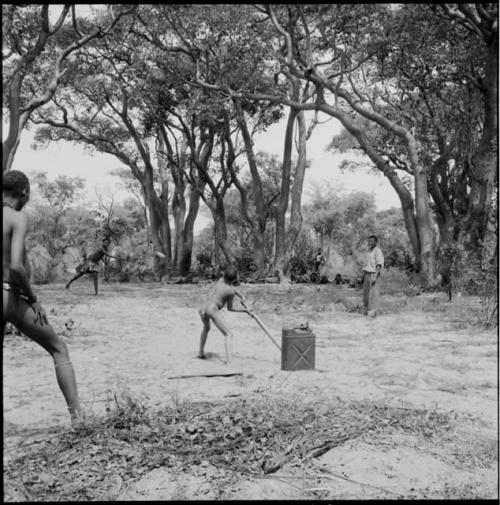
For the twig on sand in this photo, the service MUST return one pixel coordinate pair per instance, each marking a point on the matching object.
(342, 477)
(218, 374)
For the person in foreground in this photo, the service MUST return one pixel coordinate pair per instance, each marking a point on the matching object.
(223, 292)
(20, 306)
(371, 274)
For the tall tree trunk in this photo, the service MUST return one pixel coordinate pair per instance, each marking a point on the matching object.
(444, 215)
(159, 223)
(179, 213)
(296, 197)
(186, 252)
(279, 253)
(408, 209)
(259, 227)
(177, 163)
(259, 252)
(423, 216)
(220, 233)
(16, 124)
(162, 204)
(484, 162)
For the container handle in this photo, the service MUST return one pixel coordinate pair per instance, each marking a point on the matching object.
(303, 327)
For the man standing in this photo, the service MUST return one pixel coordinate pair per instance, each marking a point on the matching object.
(319, 261)
(371, 274)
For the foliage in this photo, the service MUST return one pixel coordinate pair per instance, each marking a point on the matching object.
(60, 231)
(393, 239)
(55, 224)
(341, 221)
(41, 264)
(413, 84)
(473, 274)
(36, 53)
(61, 192)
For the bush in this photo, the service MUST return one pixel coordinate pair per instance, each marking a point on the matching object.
(394, 281)
(41, 265)
(472, 272)
(245, 263)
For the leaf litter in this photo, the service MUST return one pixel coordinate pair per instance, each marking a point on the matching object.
(255, 436)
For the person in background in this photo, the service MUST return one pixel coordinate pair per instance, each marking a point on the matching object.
(371, 277)
(90, 264)
(319, 261)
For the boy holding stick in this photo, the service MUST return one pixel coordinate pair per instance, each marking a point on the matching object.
(222, 294)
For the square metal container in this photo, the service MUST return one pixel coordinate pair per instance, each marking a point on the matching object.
(298, 349)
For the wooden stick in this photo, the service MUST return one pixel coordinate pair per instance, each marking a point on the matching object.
(220, 374)
(261, 324)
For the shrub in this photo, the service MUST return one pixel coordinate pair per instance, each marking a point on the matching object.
(472, 272)
(41, 265)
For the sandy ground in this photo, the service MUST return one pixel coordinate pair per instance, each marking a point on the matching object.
(136, 336)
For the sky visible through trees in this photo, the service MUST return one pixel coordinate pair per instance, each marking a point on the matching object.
(64, 158)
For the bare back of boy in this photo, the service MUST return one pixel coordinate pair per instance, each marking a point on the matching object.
(220, 295)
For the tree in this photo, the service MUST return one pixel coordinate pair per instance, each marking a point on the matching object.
(241, 223)
(34, 52)
(132, 185)
(101, 107)
(444, 76)
(340, 51)
(61, 192)
(352, 55)
(481, 162)
(233, 46)
(285, 240)
(231, 52)
(48, 222)
(342, 221)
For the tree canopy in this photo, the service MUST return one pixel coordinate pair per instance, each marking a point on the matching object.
(177, 92)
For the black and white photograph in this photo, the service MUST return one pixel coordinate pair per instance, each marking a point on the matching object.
(250, 252)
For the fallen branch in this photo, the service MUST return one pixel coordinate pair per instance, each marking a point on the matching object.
(220, 374)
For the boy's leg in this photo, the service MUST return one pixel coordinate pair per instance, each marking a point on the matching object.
(204, 335)
(228, 335)
(22, 316)
(95, 276)
(77, 276)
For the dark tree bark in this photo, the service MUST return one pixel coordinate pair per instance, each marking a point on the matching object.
(258, 226)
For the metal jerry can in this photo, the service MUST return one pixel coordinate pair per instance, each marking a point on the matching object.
(298, 346)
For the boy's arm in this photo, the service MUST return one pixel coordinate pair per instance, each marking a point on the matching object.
(230, 302)
(18, 271)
